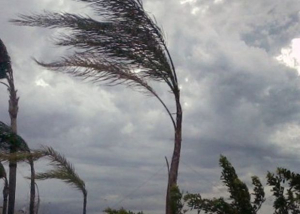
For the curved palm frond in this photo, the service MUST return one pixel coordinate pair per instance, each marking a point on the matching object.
(63, 170)
(10, 140)
(128, 35)
(4, 61)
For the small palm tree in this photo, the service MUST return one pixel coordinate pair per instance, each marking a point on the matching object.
(127, 48)
(9, 141)
(63, 170)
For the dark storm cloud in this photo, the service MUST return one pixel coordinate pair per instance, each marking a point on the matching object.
(238, 101)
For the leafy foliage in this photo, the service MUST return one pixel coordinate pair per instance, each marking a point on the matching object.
(239, 199)
(177, 204)
(120, 211)
(286, 198)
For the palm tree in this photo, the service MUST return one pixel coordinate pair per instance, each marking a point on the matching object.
(63, 170)
(6, 72)
(127, 48)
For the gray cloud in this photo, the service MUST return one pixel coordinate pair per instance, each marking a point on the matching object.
(238, 101)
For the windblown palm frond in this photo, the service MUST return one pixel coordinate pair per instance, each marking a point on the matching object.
(128, 35)
(4, 61)
(63, 170)
(10, 140)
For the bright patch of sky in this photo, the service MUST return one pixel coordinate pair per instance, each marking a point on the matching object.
(290, 56)
(187, 1)
(41, 82)
(218, 1)
(195, 10)
(289, 133)
(137, 70)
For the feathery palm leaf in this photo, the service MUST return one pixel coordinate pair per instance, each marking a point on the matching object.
(128, 35)
(63, 170)
(4, 61)
(11, 140)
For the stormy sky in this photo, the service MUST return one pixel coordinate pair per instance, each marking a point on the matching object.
(237, 67)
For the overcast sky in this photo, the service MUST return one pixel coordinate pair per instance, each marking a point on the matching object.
(237, 64)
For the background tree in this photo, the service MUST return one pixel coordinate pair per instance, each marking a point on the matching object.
(127, 48)
(239, 199)
(120, 211)
(286, 190)
(6, 72)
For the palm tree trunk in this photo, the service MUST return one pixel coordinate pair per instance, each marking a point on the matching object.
(13, 112)
(32, 188)
(173, 174)
(5, 196)
(12, 186)
(84, 202)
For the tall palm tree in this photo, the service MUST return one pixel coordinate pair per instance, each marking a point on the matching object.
(127, 48)
(63, 170)
(6, 72)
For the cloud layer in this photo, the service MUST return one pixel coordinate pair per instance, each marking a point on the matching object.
(238, 101)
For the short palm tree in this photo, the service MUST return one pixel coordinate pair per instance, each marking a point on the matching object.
(8, 140)
(126, 48)
(63, 170)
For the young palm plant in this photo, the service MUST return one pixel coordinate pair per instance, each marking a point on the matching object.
(63, 170)
(8, 140)
(127, 48)
(6, 72)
